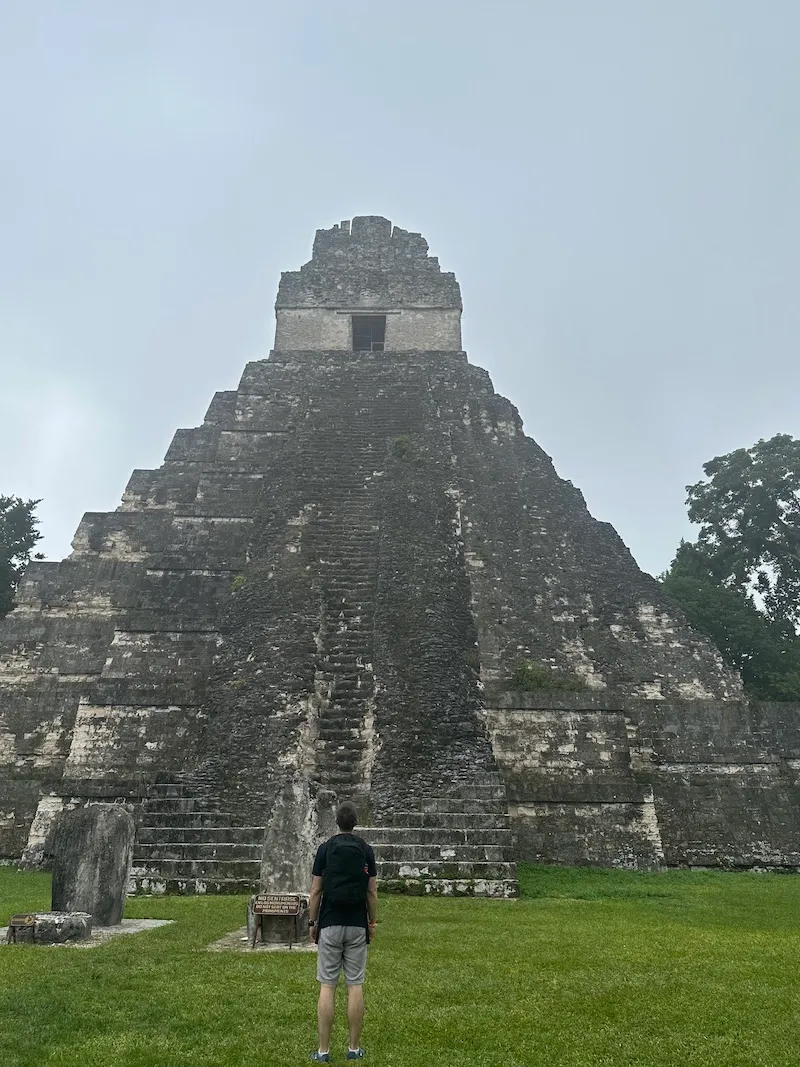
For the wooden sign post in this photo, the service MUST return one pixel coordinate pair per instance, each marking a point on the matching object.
(277, 904)
(21, 929)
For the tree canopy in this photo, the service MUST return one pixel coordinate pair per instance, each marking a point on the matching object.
(739, 583)
(766, 652)
(19, 535)
(748, 510)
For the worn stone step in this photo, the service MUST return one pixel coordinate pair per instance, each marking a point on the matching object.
(205, 869)
(496, 888)
(339, 744)
(362, 512)
(341, 736)
(466, 805)
(333, 722)
(346, 676)
(168, 789)
(339, 760)
(352, 735)
(336, 777)
(435, 835)
(361, 565)
(417, 854)
(481, 792)
(153, 883)
(210, 834)
(168, 803)
(362, 532)
(480, 820)
(445, 869)
(343, 593)
(489, 778)
(228, 851)
(328, 670)
(345, 687)
(194, 820)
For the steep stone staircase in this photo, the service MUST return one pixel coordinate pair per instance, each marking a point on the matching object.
(343, 542)
(455, 844)
(184, 846)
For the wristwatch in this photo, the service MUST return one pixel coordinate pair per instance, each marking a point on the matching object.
(312, 922)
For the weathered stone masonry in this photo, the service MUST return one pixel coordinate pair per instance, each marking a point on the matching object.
(311, 598)
(630, 783)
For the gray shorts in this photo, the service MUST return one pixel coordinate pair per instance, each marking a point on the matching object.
(342, 948)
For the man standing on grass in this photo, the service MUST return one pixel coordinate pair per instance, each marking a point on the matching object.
(344, 882)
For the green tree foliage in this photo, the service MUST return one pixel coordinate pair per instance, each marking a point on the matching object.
(18, 536)
(765, 651)
(748, 510)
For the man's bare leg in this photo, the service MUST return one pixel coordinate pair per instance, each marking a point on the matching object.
(355, 1013)
(325, 1006)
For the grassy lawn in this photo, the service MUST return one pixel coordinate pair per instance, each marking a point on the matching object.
(589, 968)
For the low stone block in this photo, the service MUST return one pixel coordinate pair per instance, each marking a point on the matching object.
(92, 853)
(50, 928)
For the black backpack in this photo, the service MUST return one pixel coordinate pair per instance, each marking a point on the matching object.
(346, 870)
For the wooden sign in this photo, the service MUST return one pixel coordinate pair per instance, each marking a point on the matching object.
(277, 904)
(20, 928)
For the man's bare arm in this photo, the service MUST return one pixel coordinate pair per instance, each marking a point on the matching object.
(372, 901)
(314, 898)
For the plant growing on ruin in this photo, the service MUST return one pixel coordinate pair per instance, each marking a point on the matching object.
(529, 677)
(18, 536)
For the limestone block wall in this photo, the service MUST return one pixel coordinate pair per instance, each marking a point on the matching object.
(549, 582)
(369, 263)
(407, 330)
(603, 780)
(104, 663)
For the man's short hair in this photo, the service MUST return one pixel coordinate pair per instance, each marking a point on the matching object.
(346, 816)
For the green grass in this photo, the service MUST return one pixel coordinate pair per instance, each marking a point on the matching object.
(590, 968)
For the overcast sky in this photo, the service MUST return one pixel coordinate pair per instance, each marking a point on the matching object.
(614, 182)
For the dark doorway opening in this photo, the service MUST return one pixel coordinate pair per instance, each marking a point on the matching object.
(369, 333)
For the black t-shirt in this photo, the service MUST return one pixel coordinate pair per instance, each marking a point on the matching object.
(342, 914)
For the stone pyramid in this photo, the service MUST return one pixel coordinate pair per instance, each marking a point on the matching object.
(311, 598)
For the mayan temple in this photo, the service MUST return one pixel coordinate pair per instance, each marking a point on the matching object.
(324, 593)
